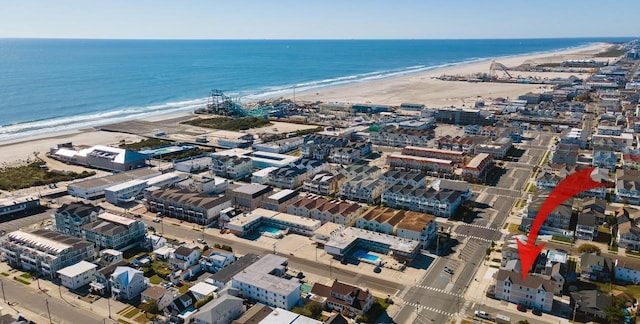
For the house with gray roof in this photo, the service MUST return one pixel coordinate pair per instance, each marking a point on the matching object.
(596, 267)
(536, 291)
(441, 203)
(222, 310)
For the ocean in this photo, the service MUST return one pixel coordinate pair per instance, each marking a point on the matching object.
(54, 85)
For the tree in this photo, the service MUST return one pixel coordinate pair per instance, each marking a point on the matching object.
(202, 302)
(150, 306)
(315, 309)
(588, 248)
(523, 322)
(615, 311)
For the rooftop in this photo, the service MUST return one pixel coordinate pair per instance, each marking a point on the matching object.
(76, 269)
(346, 237)
(258, 275)
(116, 219)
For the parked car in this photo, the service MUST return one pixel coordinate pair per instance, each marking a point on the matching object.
(522, 308)
(537, 311)
(449, 270)
(201, 241)
(482, 314)
(156, 220)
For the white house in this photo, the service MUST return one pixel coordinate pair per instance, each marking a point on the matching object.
(202, 290)
(534, 292)
(77, 275)
(127, 283)
(184, 257)
(215, 259)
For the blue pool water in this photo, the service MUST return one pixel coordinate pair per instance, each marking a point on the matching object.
(362, 254)
(270, 230)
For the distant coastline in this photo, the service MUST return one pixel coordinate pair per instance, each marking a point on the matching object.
(414, 88)
(43, 126)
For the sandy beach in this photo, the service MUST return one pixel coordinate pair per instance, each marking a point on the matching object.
(419, 88)
(422, 88)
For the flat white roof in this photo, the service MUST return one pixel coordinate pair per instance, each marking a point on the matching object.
(264, 172)
(127, 185)
(281, 194)
(279, 316)
(5, 202)
(344, 238)
(419, 158)
(203, 288)
(76, 269)
(116, 218)
(40, 241)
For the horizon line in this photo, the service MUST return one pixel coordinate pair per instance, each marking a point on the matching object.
(306, 39)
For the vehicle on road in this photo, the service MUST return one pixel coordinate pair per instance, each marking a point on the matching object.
(482, 314)
(449, 270)
(156, 220)
(522, 308)
(537, 311)
(201, 241)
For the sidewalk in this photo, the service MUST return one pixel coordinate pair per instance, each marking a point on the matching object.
(99, 307)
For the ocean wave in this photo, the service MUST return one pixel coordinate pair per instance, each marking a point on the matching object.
(32, 128)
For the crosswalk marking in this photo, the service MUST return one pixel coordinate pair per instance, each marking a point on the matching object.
(421, 307)
(439, 290)
(475, 237)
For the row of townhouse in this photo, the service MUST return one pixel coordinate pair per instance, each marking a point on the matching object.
(456, 156)
(401, 177)
(442, 203)
(463, 144)
(319, 146)
(199, 208)
(318, 208)
(362, 188)
(401, 137)
(421, 163)
(231, 167)
(354, 152)
(404, 224)
(104, 229)
(324, 183)
(293, 175)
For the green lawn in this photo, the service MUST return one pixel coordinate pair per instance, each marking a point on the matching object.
(155, 280)
(513, 228)
(184, 288)
(32, 174)
(25, 276)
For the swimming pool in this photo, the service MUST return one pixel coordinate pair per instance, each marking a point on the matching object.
(270, 231)
(365, 256)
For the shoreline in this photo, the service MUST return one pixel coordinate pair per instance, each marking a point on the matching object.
(419, 87)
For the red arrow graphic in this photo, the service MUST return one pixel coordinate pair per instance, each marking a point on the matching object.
(567, 188)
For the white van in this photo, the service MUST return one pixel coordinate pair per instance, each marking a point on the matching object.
(482, 314)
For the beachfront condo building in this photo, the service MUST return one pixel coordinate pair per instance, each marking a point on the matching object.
(199, 208)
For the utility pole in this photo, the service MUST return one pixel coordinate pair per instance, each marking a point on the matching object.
(330, 275)
(575, 307)
(48, 312)
(109, 303)
(3, 295)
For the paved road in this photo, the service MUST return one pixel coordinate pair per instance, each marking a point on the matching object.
(439, 295)
(10, 225)
(377, 282)
(34, 301)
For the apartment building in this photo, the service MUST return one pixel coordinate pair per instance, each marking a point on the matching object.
(534, 292)
(498, 149)
(456, 156)
(110, 231)
(421, 163)
(401, 223)
(199, 208)
(412, 178)
(478, 168)
(324, 183)
(362, 188)
(339, 212)
(263, 282)
(71, 217)
(441, 203)
(250, 196)
(44, 251)
(231, 167)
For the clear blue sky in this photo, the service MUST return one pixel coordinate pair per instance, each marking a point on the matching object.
(327, 19)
